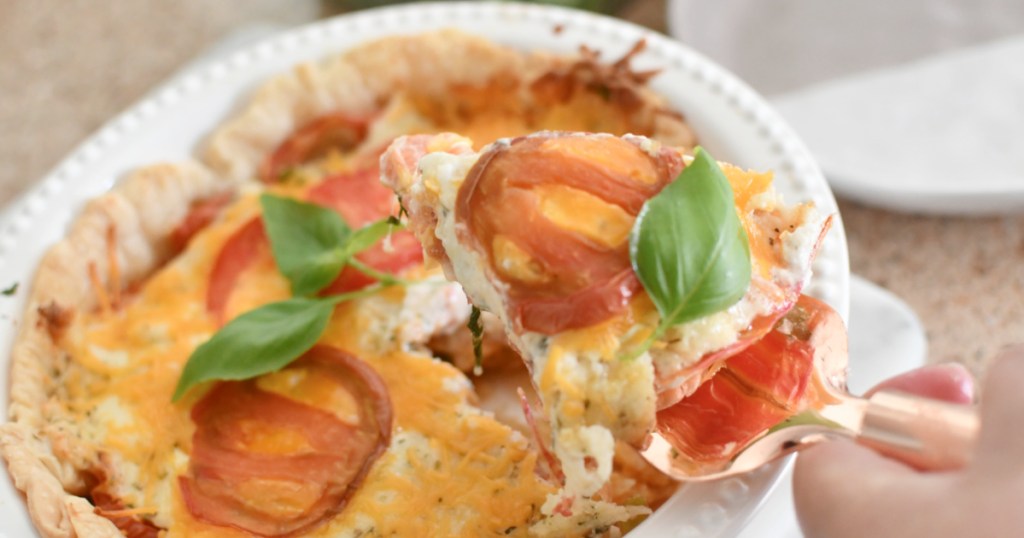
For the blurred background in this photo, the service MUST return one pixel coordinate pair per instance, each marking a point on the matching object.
(914, 108)
(66, 66)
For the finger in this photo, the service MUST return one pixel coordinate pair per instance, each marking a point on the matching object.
(1001, 442)
(839, 487)
(948, 382)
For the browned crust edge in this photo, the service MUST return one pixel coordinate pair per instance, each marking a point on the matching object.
(357, 82)
(44, 463)
(361, 80)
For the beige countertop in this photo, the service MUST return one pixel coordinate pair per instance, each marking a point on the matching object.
(68, 65)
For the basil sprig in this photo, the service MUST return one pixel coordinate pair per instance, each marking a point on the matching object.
(688, 247)
(311, 246)
(263, 340)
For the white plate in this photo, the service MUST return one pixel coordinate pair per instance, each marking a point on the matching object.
(912, 105)
(733, 123)
(910, 138)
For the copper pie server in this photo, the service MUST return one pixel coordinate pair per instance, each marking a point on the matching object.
(924, 433)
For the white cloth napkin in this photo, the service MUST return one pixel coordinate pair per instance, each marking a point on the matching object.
(911, 105)
(950, 123)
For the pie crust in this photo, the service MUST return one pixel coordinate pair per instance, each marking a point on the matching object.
(124, 234)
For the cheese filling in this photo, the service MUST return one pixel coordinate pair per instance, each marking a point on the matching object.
(450, 467)
(590, 395)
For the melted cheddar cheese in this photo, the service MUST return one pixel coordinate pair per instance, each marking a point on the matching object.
(450, 469)
(591, 395)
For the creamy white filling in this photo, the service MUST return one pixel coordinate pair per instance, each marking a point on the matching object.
(469, 267)
(585, 453)
(586, 450)
(399, 118)
(426, 308)
(586, 514)
(580, 449)
(798, 246)
(688, 342)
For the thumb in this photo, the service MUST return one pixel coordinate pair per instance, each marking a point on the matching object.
(841, 488)
(1001, 442)
(948, 382)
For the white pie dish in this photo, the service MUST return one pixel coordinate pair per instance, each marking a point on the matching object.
(733, 123)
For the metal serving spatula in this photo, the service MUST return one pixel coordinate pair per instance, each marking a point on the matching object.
(924, 433)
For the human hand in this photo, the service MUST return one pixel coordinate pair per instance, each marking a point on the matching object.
(843, 489)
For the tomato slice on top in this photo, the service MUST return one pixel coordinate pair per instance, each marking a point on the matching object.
(358, 196)
(338, 130)
(552, 215)
(360, 199)
(239, 252)
(200, 214)
(281, 454)
(393, 255)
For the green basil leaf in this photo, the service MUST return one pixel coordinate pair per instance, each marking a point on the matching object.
(688, 247)
(257, 342)
(308, 242)
(381, 276)
(369, 235)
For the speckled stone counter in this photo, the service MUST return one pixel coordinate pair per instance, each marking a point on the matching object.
(963, 276)
(68, 65)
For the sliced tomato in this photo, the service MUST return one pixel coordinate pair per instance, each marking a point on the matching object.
(200, 214)
(394, 255)
(583, 281)
(673, 388)
(239, 252)
(338, 130)
(272, 465)
(358, 196)
(360, 199)
(582, 308)
(758, 387)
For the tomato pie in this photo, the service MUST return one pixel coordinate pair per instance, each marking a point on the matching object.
(194, 360)
(545, 232)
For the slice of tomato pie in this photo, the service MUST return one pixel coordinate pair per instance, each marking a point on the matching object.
(537, 230)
